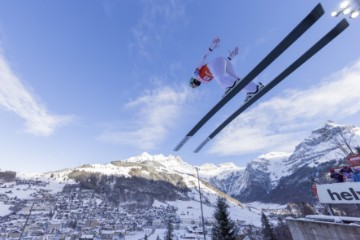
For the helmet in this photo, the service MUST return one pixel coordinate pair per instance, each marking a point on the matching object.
(194, 82)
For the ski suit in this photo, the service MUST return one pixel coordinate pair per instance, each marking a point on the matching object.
(221, 69)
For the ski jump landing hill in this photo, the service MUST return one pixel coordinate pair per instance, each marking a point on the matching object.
(321, 227)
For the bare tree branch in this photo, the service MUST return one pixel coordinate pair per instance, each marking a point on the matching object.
(341, 141)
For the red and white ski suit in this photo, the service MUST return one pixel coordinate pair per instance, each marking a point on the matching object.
(222, 70)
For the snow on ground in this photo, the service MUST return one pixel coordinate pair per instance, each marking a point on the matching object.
(106, 169)
(151, 236)
(171, 163)
(27, 191)
(159, 204)
(161, 232)
(4, 209)
(257, 207)
(20, 191)
(221, 171)
(190, 211)
(24, 191)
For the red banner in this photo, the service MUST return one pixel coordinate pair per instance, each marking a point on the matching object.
(354, 160)
(314, 189)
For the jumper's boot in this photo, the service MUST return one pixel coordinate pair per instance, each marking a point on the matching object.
(249, 95)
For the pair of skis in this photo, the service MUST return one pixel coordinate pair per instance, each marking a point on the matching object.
(295, 34)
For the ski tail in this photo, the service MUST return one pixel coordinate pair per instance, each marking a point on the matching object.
(332, 34)
(299, 30)
(202, 145)
(182, 142)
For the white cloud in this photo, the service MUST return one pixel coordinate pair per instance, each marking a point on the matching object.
(108, 7)
(156, 112)
(16, 98)
(156, 23)
(283, 121)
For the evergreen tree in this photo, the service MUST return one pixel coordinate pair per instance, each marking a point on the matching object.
(357, 148)
(170, 231)
(223, 227)
(306, 209)
(289, 208)
(267, 231)
(282, 231)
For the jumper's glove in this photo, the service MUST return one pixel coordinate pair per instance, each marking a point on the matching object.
(233, 53)
(214, 44)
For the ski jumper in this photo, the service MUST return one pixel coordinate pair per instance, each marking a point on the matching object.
(222, 70)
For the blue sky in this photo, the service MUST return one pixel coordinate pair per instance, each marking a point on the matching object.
(96, 81)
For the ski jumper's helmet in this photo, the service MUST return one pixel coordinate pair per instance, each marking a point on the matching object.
(194, 82)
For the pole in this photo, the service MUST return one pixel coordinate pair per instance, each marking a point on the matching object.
(27, 219)
(202, 214)
(329, 209)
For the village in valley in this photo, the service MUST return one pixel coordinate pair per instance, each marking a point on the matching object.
(83, 214)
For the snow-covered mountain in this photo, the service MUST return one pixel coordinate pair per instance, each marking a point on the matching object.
(145, 169)
(275, 177)
(159, 163)
(286, 177)
(146, 179)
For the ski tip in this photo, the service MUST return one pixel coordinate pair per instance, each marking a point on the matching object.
(318, 11)
(342, 24)
(182, 142)
(202, 145)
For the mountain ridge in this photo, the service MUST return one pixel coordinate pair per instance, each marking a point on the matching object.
(261, 180)
(289, 177)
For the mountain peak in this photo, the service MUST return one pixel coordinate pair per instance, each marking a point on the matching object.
(145, 157)
(332, 126)
(275, 155)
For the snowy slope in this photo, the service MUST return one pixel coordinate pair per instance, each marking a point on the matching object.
(257, 180)
(273, 164)
(221, 171)
(270, 177)
(11, 191)
(276, 176)
(188, 210)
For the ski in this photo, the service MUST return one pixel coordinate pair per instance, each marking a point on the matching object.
(333, 33)
(300, 29)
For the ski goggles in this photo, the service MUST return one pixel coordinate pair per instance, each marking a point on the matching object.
(194, 82)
